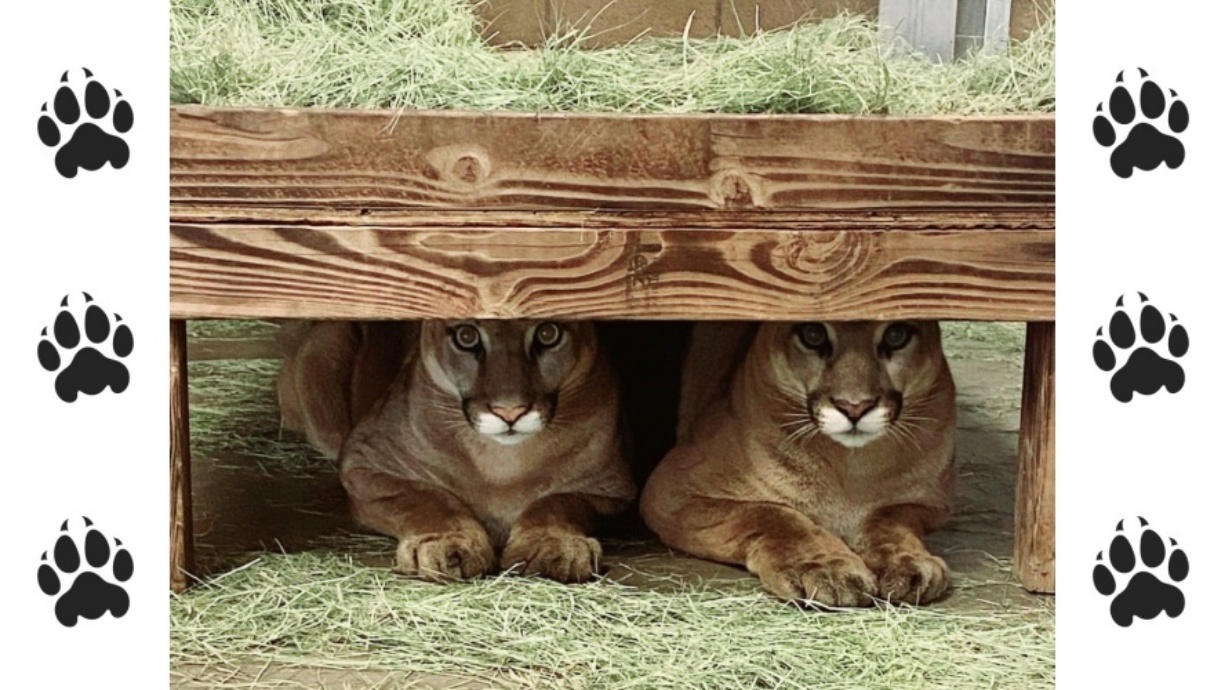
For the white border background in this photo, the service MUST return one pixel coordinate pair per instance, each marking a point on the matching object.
(102, 232)
(1156, 457)
(105, 232)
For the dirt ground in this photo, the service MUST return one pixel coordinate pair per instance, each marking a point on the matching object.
(240, 505)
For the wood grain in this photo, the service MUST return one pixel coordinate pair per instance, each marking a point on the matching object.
(374, 160)
(1034, 545)
(181, 539)
(612, 267)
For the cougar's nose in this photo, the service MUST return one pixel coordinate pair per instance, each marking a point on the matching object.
(855, 411)
(510, 415)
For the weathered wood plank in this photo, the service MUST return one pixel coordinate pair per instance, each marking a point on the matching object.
(1034, 530)
(611, 267)
(181, 540)
(460, 160)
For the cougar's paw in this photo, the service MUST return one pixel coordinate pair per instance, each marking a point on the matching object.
(445, 556)
(561, 556)
(912, 577)
(835, 581)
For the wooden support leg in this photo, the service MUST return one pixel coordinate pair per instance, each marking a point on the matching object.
(180, 461)
(1034, 549)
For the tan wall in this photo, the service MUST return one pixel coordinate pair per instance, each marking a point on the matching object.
(1028, 14)
(528, 21)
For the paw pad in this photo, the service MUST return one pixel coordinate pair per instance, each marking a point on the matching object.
(85, 139)
(93, 590)
(1146, 371)
(1149, 591)
(1146, 145)
(90, 371)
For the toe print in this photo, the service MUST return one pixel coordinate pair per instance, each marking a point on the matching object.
(1122, 556)
(1146, 369)
(1152, 325)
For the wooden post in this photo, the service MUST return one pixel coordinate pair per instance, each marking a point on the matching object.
(1034, 541)
(180, 461)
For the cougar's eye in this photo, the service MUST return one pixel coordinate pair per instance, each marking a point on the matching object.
(548, 334)
(897, 335)
(466, 337)
(812, 335)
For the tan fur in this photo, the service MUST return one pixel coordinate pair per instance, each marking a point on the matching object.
(416, 468)
(754, 482)
(335, 371)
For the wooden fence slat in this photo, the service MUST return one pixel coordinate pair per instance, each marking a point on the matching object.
(302, 271)
(451, 160)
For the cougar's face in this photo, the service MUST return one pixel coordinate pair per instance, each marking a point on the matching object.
(506, 376)
(856, 379)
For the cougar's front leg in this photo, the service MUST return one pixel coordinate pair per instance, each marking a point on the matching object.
(795, 558)
(551, 537)
(440, 538)
(891, 543)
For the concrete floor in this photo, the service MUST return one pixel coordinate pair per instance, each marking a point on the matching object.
(240, 508)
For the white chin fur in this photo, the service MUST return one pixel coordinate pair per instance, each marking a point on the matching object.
(509, 439)
(496, 428)
(855, 439)
(870, 427)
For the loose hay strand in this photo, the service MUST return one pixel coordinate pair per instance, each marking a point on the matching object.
(324, 610)
(428, 54)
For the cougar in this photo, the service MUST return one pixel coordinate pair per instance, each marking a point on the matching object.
(465, 438)
(816, 455)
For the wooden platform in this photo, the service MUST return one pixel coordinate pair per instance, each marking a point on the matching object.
(378, 215)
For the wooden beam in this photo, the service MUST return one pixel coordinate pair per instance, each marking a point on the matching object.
(613, 266)
(332, 213)
(181, 540)
(1034, 524)
(373, 160)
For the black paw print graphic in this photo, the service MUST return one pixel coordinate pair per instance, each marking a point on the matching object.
(93, 590)
(1149, 592)
(1146, 371)
(1145, 146)
(94, 140)
(90, 371)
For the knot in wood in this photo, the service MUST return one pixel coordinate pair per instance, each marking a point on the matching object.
(459, 163)
(734, 190)
(468, 169)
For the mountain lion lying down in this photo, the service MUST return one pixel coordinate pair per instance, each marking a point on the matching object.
(817, 455)
(460, 438)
